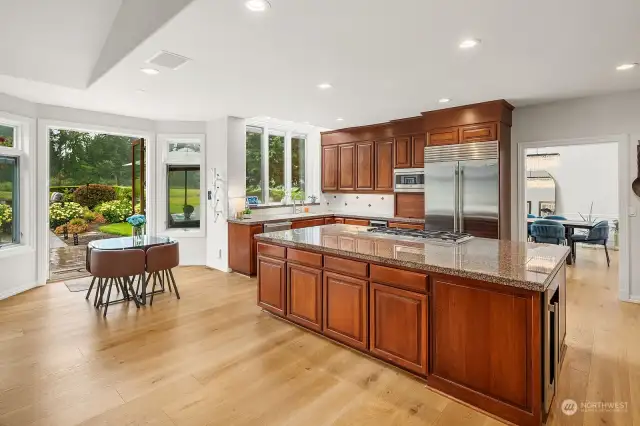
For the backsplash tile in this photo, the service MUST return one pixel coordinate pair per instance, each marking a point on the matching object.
(361, 203)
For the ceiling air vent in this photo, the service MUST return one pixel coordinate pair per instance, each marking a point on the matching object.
(168, 60)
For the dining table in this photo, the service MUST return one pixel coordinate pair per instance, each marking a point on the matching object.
(141, 242)
(569, 227)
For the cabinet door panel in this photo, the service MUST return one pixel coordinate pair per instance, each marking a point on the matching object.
(445, 136)
(307, 223)
(479, 133)
(271, 285)
(345, 309)
(359, 222)
(346, 171)
(304, 296)
(364, 166)
(406, 225)
(417, 144)
(403, 152)
(399, 326)
(384, 166)
(329, 168)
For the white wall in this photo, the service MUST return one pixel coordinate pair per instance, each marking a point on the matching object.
(217, 235)
(585, 174)
(616, 114)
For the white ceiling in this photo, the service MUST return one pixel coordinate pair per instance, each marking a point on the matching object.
(386, 59)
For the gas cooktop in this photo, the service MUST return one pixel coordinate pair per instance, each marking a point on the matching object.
(439, 236)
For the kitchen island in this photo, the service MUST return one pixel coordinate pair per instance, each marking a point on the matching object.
(482, 321)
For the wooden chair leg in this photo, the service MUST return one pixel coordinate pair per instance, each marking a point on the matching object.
(166, 275)
(106, 306)
(153, 289)
(606, 251)
(90, 287)
(175, 287)
(98, 290)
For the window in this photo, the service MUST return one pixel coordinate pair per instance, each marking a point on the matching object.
(275, 162)
(254, 162)
(276, 168)
(183, 196)
(298, 144)
(9, 195)
(7, 136)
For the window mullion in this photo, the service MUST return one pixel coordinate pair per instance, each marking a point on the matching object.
(287, 165)
(264, 146)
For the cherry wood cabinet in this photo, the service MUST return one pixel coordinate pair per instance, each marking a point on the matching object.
(479, 133)
(418, 143)
(243, 248)
(304, 296)
(360, 222)
(409, 204)
(399, 327)
(272, 285)
(364, 166)
(346, 167)
(345, 310)
(383, 169)
(307, 223)
(403, 152)
(329, 168)
(445, 136)
(339, 220)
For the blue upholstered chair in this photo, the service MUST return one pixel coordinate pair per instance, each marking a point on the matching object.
(555, 217)
(547, 231)
(530, 216)
(599, 234)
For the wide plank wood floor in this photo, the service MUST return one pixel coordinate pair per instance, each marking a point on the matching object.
(213, 358)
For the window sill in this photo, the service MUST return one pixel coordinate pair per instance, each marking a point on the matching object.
(275, 206)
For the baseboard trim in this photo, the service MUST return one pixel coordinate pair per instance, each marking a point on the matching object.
(17, 290)
(633, 299)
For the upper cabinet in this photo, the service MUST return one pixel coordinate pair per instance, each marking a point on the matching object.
(346, 167)
(383, 169)
(417, 149)
(446, 136)
(403, 152)
(479, 132)
(330, 168)
(364, 166)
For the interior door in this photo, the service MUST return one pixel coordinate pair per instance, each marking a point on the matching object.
(440, 195)
(479, 198)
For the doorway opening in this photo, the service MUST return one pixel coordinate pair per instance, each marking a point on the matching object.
(575, 189)
(96, 181)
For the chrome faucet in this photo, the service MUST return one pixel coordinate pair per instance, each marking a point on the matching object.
(293, 200)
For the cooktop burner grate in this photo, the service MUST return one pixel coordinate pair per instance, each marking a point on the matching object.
(444, 236)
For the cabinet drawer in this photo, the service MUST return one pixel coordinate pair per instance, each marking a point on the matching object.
(399, 278)
(445, 136)
(402, 225)
(360, 222)
(304, 257)
(350, 267)
(478, 133)
(272, 251)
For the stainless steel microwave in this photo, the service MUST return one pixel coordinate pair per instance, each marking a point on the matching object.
(408, 180)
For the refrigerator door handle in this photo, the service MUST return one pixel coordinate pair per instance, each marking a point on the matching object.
(460, 200)
(456, 197)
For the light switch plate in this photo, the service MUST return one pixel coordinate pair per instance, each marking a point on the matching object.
(633, 212)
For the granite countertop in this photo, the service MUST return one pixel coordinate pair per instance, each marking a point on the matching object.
(262, 219)
(525, 265)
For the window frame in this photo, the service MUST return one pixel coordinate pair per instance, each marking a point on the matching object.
(265, 131)
(162, 192)
(192, 167)
(19, 203)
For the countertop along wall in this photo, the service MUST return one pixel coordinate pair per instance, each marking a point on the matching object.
(615, 114)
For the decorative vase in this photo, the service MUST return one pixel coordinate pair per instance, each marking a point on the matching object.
(138, 234)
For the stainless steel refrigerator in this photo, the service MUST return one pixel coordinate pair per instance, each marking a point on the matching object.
(462, 188)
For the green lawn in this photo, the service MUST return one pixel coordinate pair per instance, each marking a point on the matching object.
(176, 199)
(122, 229)
(6, 195)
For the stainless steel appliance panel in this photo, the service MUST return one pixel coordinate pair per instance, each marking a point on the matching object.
(441, 196)
(479, 198)
(408, 180)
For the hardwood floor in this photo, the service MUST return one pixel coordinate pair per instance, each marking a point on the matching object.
(214, 358)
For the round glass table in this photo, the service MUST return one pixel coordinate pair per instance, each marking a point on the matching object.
(124, 243)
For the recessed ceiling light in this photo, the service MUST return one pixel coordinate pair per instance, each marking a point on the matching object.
(444, 100)
(469, 43)
(625, 67)
(324, 86)
(150, 71)
(339, 119)
(257, 5)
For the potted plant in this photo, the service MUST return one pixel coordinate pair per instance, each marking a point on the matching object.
(246, 213)
(188, 211)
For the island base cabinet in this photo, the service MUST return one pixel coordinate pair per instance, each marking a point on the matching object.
(345, 309)
(272, 285)
(304, 296)
(399, 327)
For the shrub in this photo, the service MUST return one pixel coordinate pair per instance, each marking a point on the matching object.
(94, 194)
(60, 214)
(89, 216)
(123, 192)
(99, 218)
(6, 216)
(75, 226)
(115, 211)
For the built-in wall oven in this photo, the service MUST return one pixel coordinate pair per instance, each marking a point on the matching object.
(408, 180)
